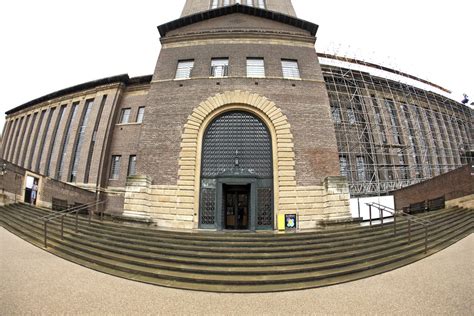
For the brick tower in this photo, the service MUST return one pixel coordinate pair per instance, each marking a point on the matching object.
(238, 127)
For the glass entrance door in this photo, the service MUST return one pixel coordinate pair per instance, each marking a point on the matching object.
(236, 206)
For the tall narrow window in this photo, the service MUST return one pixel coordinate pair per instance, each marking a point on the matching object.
(80, 140)
(226, 2)
(360, 168)
(94, 136)
(54, 140)
(336, 114)
(17, 136)
(67, 136)
(219, 67)
(255, 68)
(132, 165)
(6, 135)
(290, 69)
(249, 3)
(10, 139)
(140, 114)
(115, 168)
(214, 4)
(344, 166)
(28, 140)
(184, 69)
(394, 121)
(35, 140)
(43, 139)
(125, 116)
(261, 4)
(351, 116)
(21, 140)
(403, 166)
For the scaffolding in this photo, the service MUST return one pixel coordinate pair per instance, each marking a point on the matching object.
(391, 133)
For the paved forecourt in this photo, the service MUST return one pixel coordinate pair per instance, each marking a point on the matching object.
(33, 281)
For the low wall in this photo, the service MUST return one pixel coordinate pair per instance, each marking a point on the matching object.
(452, 186)
(13, 184)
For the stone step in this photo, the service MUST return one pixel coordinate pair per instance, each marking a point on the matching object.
(278, 240)
(324, 247)
(243, 282)
(317, 261)
(327, 262)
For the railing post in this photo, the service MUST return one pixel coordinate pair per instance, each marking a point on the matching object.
(394, 222)
(426, 239)
(62, 227)
(45, 234)
(409, 230)
(77, 219)
(370, 214)
(90, 216)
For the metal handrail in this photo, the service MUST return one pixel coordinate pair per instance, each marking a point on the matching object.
(64, 213)
(421, 221)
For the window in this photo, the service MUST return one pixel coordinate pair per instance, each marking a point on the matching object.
(76, 154)
(290, 69)
(214, 4)
(141, 113)
(351, 116)
(250, 3)
(261, 4)
(125, 116)
(183, 71)
(115, 168)
(344, 166)
(35, 139)
(219, 67)
(255, 68)
(67, 136)
(90, 153)
(226, 2)
(54, 140)
(336, 115)
(43, 139)
(132, 164)
(360, 168)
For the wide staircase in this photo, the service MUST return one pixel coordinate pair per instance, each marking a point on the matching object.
(239, 262)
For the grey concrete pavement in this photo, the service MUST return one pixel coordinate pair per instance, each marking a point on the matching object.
(33, 281)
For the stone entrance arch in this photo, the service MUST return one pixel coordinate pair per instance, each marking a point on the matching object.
(191, 147)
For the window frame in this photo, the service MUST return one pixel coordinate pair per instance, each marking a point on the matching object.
(132, 158)
(224, 67)
(180, 70)
(113, 175)
(142, 114)
(122, 112)
(256, 68)
(290, 75)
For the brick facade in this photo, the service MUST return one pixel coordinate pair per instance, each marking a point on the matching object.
(167, 143)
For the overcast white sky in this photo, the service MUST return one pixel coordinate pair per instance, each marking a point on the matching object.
(48, 45)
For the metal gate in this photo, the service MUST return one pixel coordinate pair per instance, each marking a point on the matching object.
(236, 148)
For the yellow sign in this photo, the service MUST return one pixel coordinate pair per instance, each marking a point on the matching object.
(281, 222)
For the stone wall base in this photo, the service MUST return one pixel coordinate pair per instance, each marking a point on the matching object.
(172, 208)
(465, 201)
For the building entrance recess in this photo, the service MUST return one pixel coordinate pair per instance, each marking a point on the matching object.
(236, 174)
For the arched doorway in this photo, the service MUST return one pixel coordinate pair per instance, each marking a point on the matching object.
(236, 174)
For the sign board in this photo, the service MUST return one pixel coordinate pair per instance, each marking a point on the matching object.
(281, 222)
(290, 221)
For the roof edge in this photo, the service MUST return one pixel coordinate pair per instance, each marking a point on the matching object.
(123, 78)
(237, 8)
